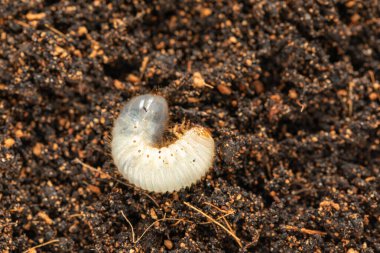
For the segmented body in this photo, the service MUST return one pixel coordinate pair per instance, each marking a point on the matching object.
(139, 154)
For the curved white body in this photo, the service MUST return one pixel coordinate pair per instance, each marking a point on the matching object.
(138, 156)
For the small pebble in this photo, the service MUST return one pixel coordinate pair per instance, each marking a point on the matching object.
(224, 89)
(168, 244)
(9, 142)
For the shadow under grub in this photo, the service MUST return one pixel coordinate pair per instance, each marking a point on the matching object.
(51, 2)
(120, 68)
(255, 183)
(343, 13)
(307, 124)
(271, 80)
(334, 54)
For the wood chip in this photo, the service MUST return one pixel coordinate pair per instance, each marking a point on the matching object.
(45, 217)
(355, 18)
(205, 12)
(192, 100)
(144, 64)
(293, 94)
(350, 4)
(233, 40)
(9, 142)
(305, 230)
(259, 86)
(153, 214)
(3, 86)
(248, 62)
(224, 89)
(133, 78)
(19, 133)
(198, 81)
(328, 204)
(37, 149)
(94, 189)
(373, 96)
(35, 16)
(168, 244)
(82, 30)
(118, 85)
(342, 93)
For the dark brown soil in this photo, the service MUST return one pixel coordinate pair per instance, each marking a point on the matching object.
(291, 95)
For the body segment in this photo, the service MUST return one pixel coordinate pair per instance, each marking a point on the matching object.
(141, 157)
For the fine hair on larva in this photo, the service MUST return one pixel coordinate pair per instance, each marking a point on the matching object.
(145, 160)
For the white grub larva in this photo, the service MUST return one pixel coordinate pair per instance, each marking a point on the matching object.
(140, 153)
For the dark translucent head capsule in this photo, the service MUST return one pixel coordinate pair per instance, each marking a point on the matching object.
(148, 114)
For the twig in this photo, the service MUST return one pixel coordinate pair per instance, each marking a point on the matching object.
(350, 102)
(75, 215)
(144, 64)
(76, 160)
(130, 224)
(305, 230)
(230, 232)
(220, 217)
(19, 22)
(54, 30)
(372, 76)
(227, 223)
(227, 212)
(219, 209)
(302, 105)
(40, 245)
(147, 229)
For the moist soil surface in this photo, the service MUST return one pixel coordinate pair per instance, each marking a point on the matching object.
(289, 90)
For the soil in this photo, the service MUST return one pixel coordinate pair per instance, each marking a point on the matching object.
(289, 89)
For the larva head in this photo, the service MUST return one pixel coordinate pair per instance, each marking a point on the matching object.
(140, 157)
(146, 114)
